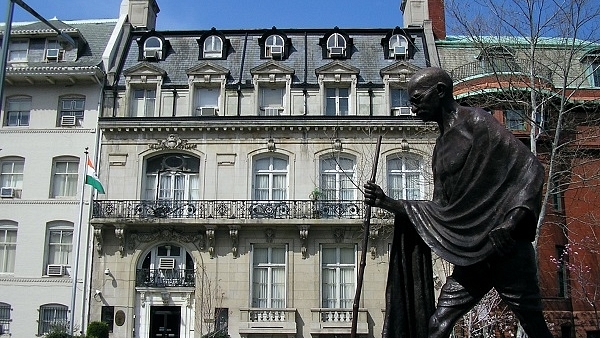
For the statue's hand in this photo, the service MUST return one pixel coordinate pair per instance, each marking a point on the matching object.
(374, 195)
(501, 238)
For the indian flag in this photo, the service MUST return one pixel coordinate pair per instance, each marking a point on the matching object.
(91, 178)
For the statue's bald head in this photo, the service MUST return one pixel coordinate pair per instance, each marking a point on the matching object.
(430, 76)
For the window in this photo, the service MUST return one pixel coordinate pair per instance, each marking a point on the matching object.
(5, 319)
(54, 52)
(404, 177)
(595, 73)
(274, 47)
(166, 265)
(336, 101)
(561, 273)
(338, 277)
(514, 120)
(17, 51)
(336, 45)
(498, 59)
(337, 175)
(268, 277)
(8, 247)
(207, 101)
(71, 112)
(153, 48)
(270, 179)
(143, 102)
(271, 101)
(172, 177)
(11, 177)
(17, 111)
(60, 245)
(51, 316)
(65, 177)
(213, 47)
(399, 102)
(398, 46)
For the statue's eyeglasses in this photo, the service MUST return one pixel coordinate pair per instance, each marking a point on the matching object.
(416, 99)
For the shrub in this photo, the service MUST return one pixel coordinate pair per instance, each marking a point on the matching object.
(97, 329)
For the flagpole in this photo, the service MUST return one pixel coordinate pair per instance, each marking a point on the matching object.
(77, 237)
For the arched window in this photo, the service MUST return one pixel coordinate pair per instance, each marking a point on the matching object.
(17, 111)
(166, 265)
(213, 47)
(65, 174)
(8, 247)
(336, 45)
(11, 177)
(405, 177)
(398, 46)
(59, 241)
(153, 47)
(337, 178)
(5, 319)
(172, 177)
(270, 178)
(274, 46)
(51, 316)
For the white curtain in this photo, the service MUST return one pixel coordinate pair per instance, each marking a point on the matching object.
(59, 246)
(8, 248)
(268, 289)
(65, 178)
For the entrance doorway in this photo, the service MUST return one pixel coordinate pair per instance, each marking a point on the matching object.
(165, 321)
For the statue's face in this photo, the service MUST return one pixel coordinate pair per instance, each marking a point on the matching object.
(424, 101)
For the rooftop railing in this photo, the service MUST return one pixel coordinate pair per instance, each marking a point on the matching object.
(503, 67)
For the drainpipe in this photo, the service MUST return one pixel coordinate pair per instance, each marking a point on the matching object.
(174, 101)
(370, 101)
(239, 86)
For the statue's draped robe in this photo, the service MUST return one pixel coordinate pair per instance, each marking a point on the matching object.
(481, 172)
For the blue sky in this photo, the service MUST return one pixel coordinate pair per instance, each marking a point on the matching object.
(231, 14)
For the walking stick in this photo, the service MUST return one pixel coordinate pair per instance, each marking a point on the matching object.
(363, 256)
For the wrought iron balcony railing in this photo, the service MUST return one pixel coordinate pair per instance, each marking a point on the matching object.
(165, 277)
(228, 209)
(512, 66)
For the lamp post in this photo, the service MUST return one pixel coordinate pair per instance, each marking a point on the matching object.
(65, 40)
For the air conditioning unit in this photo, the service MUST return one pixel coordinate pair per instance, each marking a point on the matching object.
(336, 51)
(166, 263)
(399, 51)
(7, 192)
(207, 111)
(55, 270)
(401, 111)
(68, 120)
(152, 54)
(276, 51)
(271, 111)
(52, 53)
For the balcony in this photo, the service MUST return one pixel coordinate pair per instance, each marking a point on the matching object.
(515, 66)
(160, 278)
(267, 321)
(327, 321)
(223, 209)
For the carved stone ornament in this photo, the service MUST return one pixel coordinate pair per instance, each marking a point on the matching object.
(98, 238)
(269, 235)
(303, 240)
(373, 235)
(173, 141)
(233, 234)
(338, 235)
(167, 235)
(210, 236)
(120, 234)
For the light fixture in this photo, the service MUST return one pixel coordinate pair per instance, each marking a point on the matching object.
(107, 271)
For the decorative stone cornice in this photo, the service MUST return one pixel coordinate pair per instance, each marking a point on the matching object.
(167, 235)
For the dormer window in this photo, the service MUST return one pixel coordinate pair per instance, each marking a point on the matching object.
(498, 59)
(336, 45)
(17, 51)
(274, 47)
(398, 47)
(592, 59)
(212, 48)
(53, 51)
(153, 47)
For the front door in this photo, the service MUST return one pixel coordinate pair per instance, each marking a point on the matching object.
(165, 321)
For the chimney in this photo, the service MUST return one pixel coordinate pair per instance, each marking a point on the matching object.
(415, 12)
(142, 13)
